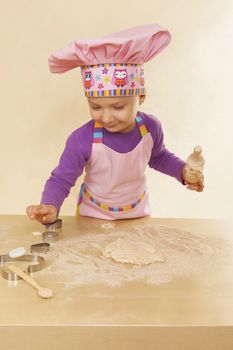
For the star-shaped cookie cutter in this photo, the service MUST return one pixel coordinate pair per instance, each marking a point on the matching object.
(36, 263)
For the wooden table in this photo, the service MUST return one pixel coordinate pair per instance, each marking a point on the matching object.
(188, 312)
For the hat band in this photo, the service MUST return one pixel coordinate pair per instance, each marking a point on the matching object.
(113, 79)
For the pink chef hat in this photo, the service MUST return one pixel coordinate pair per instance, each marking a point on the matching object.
(113, 65)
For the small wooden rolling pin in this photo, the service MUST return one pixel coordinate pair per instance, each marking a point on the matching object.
(195, 165)
(42, 292)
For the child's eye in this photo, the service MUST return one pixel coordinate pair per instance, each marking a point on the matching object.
(118, 107)
(96, 108)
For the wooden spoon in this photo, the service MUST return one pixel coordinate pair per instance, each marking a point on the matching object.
(42, 292)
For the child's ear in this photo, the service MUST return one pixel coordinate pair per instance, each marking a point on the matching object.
(142, 99)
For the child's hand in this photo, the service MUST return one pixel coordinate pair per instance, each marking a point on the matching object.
(197, 186)
(45, 214)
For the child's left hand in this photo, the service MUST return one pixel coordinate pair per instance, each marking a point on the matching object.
(197, 186)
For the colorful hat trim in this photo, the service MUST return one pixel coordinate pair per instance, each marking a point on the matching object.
(113, 79)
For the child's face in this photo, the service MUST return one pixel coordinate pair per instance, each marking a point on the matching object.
(116, 114)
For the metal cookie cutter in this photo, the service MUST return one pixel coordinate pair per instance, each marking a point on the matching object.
(42, 248)
(50, 236)
(37, 264)
(55, 225)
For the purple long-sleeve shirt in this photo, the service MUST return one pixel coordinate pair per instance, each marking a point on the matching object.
(78, 150)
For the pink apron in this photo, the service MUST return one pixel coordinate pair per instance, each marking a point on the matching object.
(115, 184)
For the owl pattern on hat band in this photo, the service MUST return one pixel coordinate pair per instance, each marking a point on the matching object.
(113, 79)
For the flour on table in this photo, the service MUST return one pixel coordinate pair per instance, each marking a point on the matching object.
(108, 225)
(128, 251)
(83, 259)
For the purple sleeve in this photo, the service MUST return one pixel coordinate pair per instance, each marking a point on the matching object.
(162, 159)
(73, 159)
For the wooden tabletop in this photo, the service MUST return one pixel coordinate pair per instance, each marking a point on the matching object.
(185, 302)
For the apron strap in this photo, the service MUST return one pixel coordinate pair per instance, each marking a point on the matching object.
(141, 125)
(97, 133)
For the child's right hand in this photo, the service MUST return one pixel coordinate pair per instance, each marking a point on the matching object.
(45, 214)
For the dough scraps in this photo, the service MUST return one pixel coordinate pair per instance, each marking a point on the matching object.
(132, 252)
(36, 233)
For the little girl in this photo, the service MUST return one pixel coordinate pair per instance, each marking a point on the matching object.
(118, 143)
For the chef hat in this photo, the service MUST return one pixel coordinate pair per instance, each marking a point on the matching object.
(113, 65)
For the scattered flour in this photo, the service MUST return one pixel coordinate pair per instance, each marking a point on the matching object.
(108, 225)
(81, 261)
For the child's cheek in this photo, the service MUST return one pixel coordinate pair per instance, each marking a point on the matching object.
(96, 115)
(120, 115)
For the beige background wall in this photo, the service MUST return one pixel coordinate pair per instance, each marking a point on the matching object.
(189, 86)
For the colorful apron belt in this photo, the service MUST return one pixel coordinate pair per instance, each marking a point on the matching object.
(105, 206)
(98, 138)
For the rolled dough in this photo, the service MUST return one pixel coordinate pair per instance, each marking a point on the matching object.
(132, 252)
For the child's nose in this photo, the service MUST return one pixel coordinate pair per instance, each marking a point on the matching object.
(106, 117)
